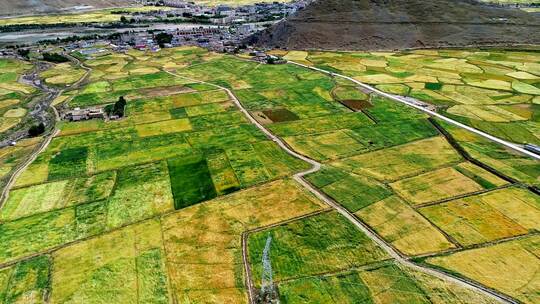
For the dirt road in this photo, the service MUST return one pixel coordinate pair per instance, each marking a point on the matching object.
(316, 166)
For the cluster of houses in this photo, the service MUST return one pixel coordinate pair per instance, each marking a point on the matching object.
(224, 14)
(78, 114)
(215, 38)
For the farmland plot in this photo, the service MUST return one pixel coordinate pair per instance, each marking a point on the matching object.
(401, 161)
(13, 95)
(46, 197)
(152, 207)
(352, 191)
(435, 185)
(487, 217)
(317, 244)
(203, 242)
(380, 284)
(511, 267)
(475, 87)
(403, 227)
(130, 260)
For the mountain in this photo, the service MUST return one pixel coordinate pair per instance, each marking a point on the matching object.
(398, 24)
(25, 7)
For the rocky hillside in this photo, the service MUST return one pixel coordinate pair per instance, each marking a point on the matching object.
(25, 7)
(398, 24)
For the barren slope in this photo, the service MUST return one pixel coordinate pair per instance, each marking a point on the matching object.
(395, 24)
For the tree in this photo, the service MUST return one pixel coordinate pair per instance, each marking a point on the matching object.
(123, 19)
(163, 38)
(54, 57)
(23, 52)
(36, 130)
(117, 108)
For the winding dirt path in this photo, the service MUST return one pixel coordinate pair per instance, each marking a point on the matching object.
(316, 166)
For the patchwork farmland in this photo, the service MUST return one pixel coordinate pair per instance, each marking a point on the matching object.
(494, 90)
(188, 197)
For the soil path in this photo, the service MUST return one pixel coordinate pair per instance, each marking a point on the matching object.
(316, 166)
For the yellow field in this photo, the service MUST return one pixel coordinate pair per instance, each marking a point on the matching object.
(297, 56)
(62, 74)
(481, 173)
(95, 16)
(326, 146)
(8, 102)
(487, 113)
(7, 123)
(34, 174)
(487, 217)
(397, 162)
(203, 242)
(510, 267)
(436, 185)
(163, 127)
(15, 113)
(405, 229)
(112, 268)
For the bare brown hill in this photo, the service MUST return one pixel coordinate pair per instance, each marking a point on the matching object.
(398, 24)
(26, 7)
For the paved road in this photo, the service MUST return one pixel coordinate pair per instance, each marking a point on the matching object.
(50, 97)
(316, 166)
(515, 147)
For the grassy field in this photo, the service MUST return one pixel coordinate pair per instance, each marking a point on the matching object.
(487, 217)
(152, 207)
(11, 156)
(318, 244)
(445, 183)
(509, 163)
(495, 90)
(383, 284)
(510, 267)
(56, 195)
(403, 227)
(63, 74)
(203, 242)
(13, 95)
(402, 161)
(352, 191)
(26, 282)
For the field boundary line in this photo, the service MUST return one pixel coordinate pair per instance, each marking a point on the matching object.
(478, 246)
(316, 166)
(401, 99)
(465, 195)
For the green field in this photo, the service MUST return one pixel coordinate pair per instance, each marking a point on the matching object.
(154, 207)
(493, 90)
(318, 244)
(13, 94)
(382, 284)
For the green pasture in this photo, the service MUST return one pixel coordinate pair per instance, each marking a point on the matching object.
(317, 244)
(352, 191)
